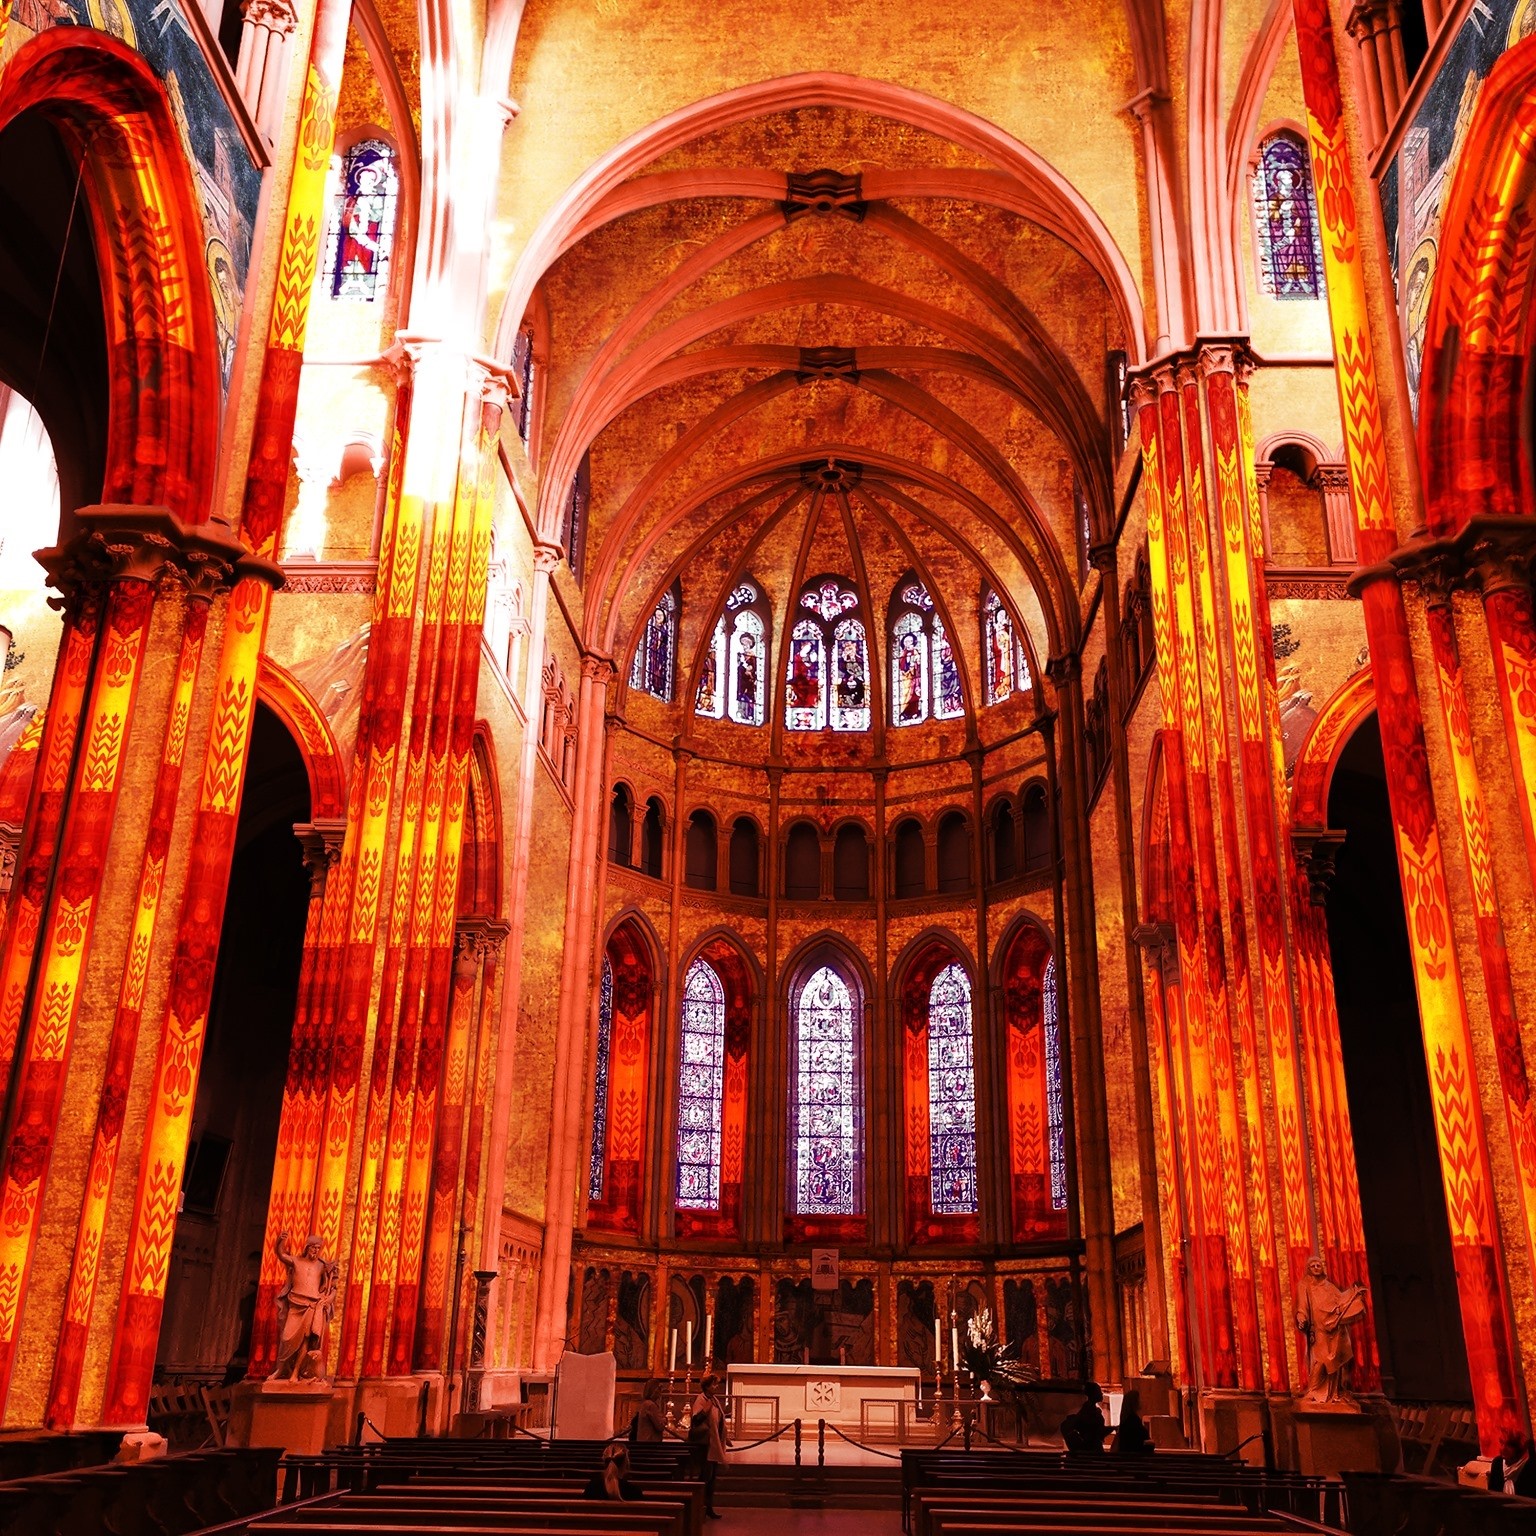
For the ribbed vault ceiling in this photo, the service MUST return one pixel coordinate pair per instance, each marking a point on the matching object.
(826, 285)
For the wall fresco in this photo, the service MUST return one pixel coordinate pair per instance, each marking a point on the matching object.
(1415, 183)
(227, 178)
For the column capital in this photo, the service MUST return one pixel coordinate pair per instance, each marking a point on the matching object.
(130, 543)
(1498, 553)
(275, 15)
(598, 669)
(1063, 668)
(1317, 850)
(1102, 557)
(546, 557)
(1224, 354)
(1140, 391)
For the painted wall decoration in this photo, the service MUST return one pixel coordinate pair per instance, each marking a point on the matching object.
(1416, 181)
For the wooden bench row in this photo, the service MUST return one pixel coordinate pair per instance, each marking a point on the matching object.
(173, 1495)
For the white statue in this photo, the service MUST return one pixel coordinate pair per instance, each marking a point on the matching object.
(304, 1307)
(1324, 1313)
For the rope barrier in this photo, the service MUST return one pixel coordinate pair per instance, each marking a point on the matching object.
(873, 1450)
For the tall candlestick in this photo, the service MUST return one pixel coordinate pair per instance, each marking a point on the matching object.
(954, 1347)
(689, 1355)
(938, 1344)
(671, 1368)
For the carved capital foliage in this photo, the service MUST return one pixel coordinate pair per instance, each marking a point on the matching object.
(1159, 945)
(275, 15)
(546, 557)
(599, 669)
(1063, 669)
(1498, 553)
(1317, 852)
(126, 543)
(1140, 392)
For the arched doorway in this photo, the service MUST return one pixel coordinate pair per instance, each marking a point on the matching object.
(1413, 1282)
(216, 1257)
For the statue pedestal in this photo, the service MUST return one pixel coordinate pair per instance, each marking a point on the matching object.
(292, 1414)
(1330, 1441)
(1231, 1419)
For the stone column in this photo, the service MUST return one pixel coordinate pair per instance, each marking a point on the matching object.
(261, 70)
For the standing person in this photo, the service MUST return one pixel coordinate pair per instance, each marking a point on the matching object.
(612, 1482)
(1083, 1432)
(650, 1425)
(1132, 1437)
(707, 1430)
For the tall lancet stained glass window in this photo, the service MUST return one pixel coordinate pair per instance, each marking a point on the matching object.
(826, 673)
(656, 655)
(827, 1118)
(600, 1084)
(1005, 659)
(362, 231)
(1055, 1119)
(701, 1084)
(1285, 221)
(951, 1094)
(948, 701)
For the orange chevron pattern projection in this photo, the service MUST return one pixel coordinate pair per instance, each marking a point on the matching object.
(1512, 640)
(1269, 850)
(1477, 842)
(1188, 1013)
(66, 935)
(1023, 971)
(628, 1053)
(1464, 1162)
(69, 1361)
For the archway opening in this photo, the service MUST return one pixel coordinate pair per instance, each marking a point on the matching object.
(1407, 1239)
(216, 1257)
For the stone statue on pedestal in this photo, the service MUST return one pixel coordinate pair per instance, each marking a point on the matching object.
(304, 1307)
(1324, 1313)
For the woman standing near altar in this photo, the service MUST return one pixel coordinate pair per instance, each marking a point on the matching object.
(707, 1430)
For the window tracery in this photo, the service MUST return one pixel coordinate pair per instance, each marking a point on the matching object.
(1285, 221)
(827, 1108)
(1007, 663)
(827, 669)
(733, 679)
(363, 223)
(656, 655)
(701, 1081)
(925, 679)
(951, 1094)
(1054, 1114)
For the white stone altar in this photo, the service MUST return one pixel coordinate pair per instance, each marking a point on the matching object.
(836, 1393)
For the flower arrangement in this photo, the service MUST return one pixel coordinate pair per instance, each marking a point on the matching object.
(988, 1360)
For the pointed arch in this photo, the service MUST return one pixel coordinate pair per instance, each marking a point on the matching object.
(162, 440)
(718, 1125)
(1028, 983)
(295, 706)
(627, 985)
(1350, 703)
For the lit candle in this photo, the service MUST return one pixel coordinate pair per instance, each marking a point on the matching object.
(689, 1355)
(709, 1337)
(954, 1346)
(673, 1365)
(938, 1343)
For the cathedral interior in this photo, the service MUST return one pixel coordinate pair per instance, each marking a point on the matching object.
(740, 684)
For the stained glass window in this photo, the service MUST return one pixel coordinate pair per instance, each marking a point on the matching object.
(909, 671)
(850, 677)
(827, 1111)
(363, 223)
(805, 696)
(701, 1080)
(1055, 1121)
(829, 599)
(1006, 662)
(948, 701)
(709, 701)
(656, 653)
(745, 680)
(1285, 221)
(951, 1094)
(600, 1086)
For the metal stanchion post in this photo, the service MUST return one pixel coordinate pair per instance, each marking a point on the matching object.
(797, 1444)
(821, 1442)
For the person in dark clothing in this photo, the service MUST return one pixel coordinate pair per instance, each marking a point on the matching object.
(707, 1431)
(650, 1424)
(1132, 1437)
(612, 1482)
(1514, 1469)
(1083, 1432)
